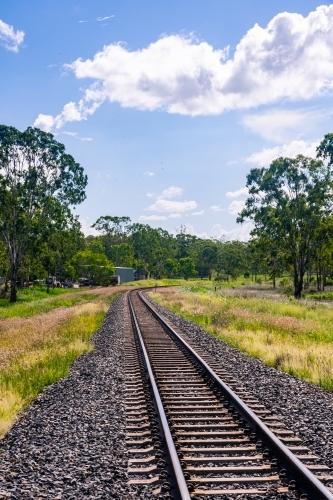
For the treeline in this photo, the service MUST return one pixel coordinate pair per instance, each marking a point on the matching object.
(152, 252)
(68, 254)
(159, 254)
(290, 205)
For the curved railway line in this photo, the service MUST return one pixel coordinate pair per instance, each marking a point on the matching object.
(193, 432)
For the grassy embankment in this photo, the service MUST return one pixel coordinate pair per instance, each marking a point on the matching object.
(40, 337)
(295, 337)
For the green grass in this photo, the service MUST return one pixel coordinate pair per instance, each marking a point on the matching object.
(35, 301)
(35, 358)
(319, 295)
(292, 336)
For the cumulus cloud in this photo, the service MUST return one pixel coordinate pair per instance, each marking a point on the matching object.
(162, 205)
(86, 227)
(236, 206)
(164, 202)
(190, 230)
(265, 157)
(152, 217)
(10, 38)
(174, 216)
(242, 192)
(241, 233)
(171, 192)
(198, 213)
(291, 58)
(150, 174)
(72, 112)
(278, 125)
(216, 208)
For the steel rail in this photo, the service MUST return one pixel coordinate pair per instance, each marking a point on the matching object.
(308, 482)
(179, 476)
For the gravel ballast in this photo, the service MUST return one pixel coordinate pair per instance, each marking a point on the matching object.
(70, 443)
(304, 408)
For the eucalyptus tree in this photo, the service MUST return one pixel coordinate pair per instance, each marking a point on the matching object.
(39, 182)
(288, 201)
(114, 231)
(207, 253)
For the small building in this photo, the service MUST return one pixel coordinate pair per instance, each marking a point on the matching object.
(125, 274)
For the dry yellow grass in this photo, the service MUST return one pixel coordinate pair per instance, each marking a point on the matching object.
(38, 350)
(293, 337)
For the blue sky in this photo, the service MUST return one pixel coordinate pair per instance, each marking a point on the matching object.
(168, 104)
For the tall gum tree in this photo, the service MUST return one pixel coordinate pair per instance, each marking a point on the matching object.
(39, 181)
(288, 201)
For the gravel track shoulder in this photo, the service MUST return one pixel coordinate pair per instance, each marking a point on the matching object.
(305, 408)
(70, 443)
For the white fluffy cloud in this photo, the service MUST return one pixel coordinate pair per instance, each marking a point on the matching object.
(152, 217)
(72, 112)
(10, 38)
(267, 155)
(278, 125)
(159, 217)
(236, 206)
(164, 202)
(86, 227)
(190, 230)
(150, 174)
(172, 206)
(216, 208)
(242, 192)
(241, 232)
(291, 58)
(198, 213)
(171, 192)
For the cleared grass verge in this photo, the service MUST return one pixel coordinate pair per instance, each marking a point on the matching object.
(37, 351)
(294, 337)
(33, 302)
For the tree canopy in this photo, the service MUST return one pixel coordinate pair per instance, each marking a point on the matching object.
(39, 182)
(289, 201)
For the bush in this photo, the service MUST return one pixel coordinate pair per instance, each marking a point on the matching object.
(286, 286)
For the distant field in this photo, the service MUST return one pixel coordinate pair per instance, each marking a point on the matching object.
(295, 337)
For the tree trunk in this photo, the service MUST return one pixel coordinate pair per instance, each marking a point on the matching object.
(298, 284)
(274, 280)
(13, 284)
(318, 282)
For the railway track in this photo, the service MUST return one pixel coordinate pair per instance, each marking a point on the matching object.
(194, 432)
